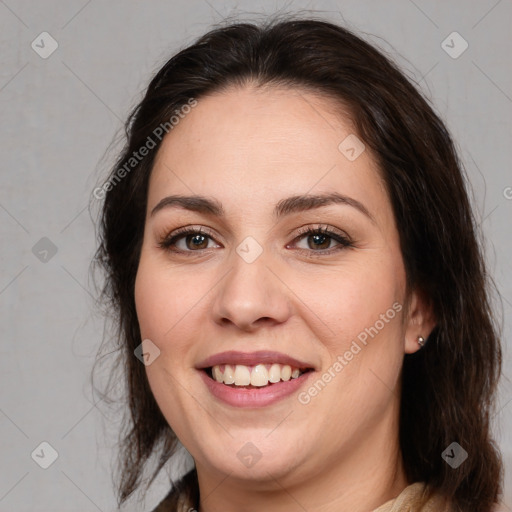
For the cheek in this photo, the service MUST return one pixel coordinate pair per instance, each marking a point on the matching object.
(350, 300)
(365, 310)
(161, 310)
(160, 299)
(149, 304)
(170, 305)
(361, 310)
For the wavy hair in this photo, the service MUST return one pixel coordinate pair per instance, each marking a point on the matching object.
(448, 387)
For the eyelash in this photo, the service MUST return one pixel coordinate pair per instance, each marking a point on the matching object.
(344, 242)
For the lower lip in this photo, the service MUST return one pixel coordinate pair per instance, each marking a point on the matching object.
(254, 397)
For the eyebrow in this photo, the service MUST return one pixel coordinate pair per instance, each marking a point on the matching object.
(293, 204)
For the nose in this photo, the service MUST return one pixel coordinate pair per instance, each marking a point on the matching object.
(251, 295)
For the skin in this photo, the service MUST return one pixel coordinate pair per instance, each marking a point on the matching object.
(249, 148)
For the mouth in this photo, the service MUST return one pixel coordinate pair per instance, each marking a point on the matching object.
(257, 376)
(256, 379)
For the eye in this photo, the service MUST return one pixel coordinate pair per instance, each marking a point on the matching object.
(318, 239)
(194, 239)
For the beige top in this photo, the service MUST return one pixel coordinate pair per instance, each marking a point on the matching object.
(411, 499)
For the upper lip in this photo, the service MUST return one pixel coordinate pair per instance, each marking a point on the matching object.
(234, 357)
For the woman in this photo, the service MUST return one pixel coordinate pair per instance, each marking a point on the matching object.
(292, 257)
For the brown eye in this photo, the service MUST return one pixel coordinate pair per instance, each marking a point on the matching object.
(319, 240)
(194, 240)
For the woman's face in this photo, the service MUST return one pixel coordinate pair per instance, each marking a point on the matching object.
(257, 298)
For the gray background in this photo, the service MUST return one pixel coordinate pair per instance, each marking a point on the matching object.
(59, 116)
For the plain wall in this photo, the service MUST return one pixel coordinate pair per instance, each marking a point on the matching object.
(59, 116)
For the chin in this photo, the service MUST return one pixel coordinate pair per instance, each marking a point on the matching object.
(255, 456)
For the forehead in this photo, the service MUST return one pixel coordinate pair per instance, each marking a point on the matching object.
(249, 146)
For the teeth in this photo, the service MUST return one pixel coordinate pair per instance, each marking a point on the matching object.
(229, 375)
(274, 375)
(242, 375)
(217, 374)
(259, 375)
(286, 372)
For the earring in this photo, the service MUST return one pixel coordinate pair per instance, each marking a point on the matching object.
(421, 341)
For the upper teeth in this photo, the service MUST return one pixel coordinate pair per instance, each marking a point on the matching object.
(259, 375)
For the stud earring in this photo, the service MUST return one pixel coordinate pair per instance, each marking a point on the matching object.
(421, 341)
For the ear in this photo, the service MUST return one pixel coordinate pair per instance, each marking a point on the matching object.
(420, 321)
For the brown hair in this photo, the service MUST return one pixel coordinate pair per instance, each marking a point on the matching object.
(448, 386)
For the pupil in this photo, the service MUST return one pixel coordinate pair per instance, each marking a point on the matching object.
(195, 238)
(318, 238)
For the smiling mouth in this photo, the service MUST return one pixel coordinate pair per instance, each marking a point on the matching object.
(255, 376)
